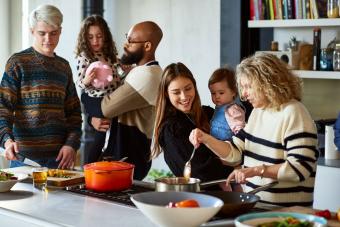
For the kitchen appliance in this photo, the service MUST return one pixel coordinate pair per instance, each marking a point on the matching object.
(121, 197)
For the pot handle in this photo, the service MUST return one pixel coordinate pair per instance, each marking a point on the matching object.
(213, 182)
(263, 187)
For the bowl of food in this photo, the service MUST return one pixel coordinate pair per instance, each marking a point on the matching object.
(273, 219)
(177, 208)
(8, 180)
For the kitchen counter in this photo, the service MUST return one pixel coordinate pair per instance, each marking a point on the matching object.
(67, 209)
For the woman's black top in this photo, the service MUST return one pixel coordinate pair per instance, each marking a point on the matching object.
(174, 141)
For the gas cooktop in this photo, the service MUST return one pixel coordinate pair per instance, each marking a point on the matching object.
(121, 197)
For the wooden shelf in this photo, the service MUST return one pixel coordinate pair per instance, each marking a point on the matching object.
(334, 75)
(325, 22)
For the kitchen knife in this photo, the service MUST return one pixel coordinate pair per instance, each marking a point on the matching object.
(22, 158)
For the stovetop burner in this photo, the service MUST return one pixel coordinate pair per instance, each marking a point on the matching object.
(121, 197)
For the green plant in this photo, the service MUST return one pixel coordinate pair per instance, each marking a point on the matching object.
(158, 173)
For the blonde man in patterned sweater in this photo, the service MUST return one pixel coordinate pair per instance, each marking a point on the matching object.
(279, 142)
(40, 115)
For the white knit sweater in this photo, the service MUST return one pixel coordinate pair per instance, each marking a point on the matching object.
(286, 137)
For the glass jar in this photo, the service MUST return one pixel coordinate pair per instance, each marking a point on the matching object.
(336, 58)
(332, 8)
(326, 59)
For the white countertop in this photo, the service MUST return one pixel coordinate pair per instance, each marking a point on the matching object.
(65, 209)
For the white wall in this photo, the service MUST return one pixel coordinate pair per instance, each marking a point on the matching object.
(4, 37)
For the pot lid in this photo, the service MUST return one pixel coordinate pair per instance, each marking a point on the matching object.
(105, 165)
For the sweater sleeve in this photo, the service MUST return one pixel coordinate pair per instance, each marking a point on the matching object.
(8, 99)
(82, 64)
(337, 132)
(235, 117)
(72, 114)
(300, 142)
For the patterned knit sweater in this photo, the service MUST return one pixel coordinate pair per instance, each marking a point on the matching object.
(39, 106)
(286, 137)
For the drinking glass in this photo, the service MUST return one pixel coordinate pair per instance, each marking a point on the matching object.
(40, 177)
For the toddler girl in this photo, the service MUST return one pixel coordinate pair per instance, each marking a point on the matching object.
(229, 116)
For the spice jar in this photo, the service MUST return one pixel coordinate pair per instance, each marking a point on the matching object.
(332, 8)
(336, 57)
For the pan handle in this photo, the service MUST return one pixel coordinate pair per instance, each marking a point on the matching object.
(213, 182)
(263, 187)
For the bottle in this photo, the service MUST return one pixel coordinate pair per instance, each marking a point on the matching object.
(336, 57)
(332, 9)
(316, 48)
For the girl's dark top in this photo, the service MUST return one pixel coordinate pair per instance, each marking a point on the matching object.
(174, 140)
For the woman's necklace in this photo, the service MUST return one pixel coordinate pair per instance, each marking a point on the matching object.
(188, 116)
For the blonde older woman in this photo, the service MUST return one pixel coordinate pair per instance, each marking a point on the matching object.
(279, 141)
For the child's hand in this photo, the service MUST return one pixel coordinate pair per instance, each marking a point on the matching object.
(126, 68)
(89, 78)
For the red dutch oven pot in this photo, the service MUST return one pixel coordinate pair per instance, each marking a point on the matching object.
(108, 176)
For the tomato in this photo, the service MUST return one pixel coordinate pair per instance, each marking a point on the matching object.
(187, 203)
(324, 213)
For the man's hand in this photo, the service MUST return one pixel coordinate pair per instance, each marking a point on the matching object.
(11, 148)
(67, 157)
(101, 124)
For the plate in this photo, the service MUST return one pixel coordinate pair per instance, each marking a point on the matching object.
(255, 219)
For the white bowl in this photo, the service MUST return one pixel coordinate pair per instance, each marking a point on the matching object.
(5, 186)
(153, 205)
(254, 219)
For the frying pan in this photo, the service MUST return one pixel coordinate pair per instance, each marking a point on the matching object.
(236, 203)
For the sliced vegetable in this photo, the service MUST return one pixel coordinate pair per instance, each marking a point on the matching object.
(4, 176)
(324, 213)
(287, 222)
(184, 203)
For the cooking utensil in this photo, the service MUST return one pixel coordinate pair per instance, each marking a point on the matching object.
(106, 143)
(108, 176)
(22, 158)
(187, 166)
(236, 203)
(182, 184)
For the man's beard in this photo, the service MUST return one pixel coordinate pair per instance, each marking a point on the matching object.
(129, 58)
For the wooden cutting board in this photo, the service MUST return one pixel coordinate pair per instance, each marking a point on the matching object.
(75, 177)
(306, 210)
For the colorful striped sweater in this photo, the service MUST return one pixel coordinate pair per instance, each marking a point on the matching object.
(286, 137)
(39, 106)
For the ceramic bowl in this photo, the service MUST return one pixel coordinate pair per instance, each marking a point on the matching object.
(6, 186)
(254, 219)
(154, 206)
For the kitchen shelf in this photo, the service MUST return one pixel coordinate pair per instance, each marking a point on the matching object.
(318, 74)
(325, 22)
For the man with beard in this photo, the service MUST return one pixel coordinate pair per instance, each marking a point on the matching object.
(131, 106)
